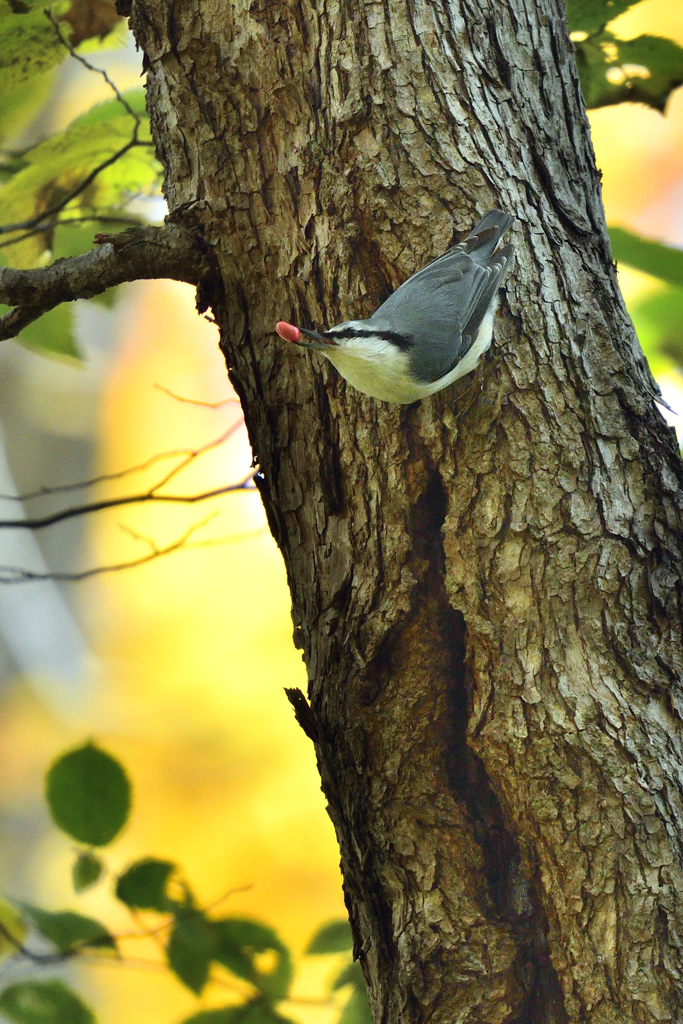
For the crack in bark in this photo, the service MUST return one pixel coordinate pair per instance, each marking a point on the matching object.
(512, 897)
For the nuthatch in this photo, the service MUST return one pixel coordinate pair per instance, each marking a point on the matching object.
(430, 331)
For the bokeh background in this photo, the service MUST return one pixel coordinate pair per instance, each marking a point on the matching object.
(178, 667)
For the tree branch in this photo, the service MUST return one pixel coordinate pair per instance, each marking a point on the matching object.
(15, 574)
(138, 254)
(133, 499)
(187, 456)
(91, 67)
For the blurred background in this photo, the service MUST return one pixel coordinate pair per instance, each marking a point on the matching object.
(178, 666)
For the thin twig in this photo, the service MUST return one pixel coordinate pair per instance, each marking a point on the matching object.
(16, 575)
(230, 538)
(147, 933)
(131, 499)
(189, 455)
(182, 465)
(6, 229)
(140, 536)
(11, 574)
(195, 401)
(37, 958)
(86, 64)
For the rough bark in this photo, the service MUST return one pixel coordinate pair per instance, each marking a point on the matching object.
(486, 587)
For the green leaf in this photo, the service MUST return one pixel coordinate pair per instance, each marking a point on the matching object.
(53, 334)
(57, 166)
(333, 937)
(238, 945)
(642, 70)
(44, 1002)
(29, 44)
(143, 885)
(256, 1011)
(357, 1009)
(592, 15)
(190, 949)
(114, 40)
(75, 239)
(653, 258)
(86, 871)
(352, 974)
(658, 320)
(89, 795)
(19, 106)
(10, 166)
(69, 931)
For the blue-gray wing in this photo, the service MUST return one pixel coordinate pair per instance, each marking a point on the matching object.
(441, 308)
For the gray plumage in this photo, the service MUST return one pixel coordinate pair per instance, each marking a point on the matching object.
(443, 315)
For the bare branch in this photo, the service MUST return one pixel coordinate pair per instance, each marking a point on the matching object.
(140, 253)
(10, 574)
(142, 537)
(195, 401)
(13, 574)
(188, 454)
(132, 499)
(36, 958)
(90, 67)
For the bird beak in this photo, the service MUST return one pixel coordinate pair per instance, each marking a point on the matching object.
(288, 332)
(317, 342)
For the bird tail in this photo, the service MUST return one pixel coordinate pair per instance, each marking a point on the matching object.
(481, 243)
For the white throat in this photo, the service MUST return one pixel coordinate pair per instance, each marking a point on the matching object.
(376, 367)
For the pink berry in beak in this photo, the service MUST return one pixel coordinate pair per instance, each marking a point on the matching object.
(288, 331)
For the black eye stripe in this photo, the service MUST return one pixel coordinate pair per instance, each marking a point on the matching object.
(401, 341)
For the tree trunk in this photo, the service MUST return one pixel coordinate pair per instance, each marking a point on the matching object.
(485, 586)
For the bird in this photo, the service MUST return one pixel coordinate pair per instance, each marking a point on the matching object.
(431, 331)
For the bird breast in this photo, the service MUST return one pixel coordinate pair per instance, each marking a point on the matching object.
(376, 367)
